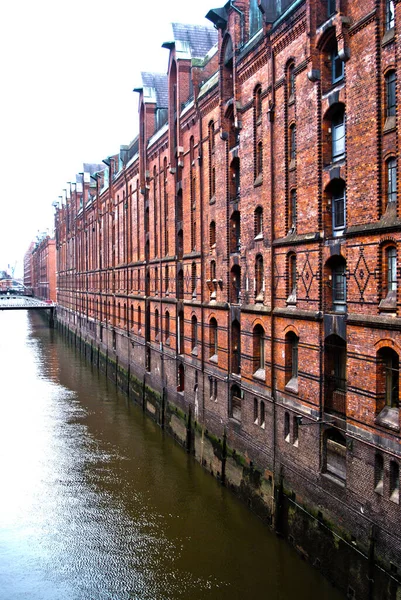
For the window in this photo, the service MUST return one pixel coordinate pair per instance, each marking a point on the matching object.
(259, 160)
(335, 373)
(394, 482)
(235, 178)
(194, 334)
(235, 278)
(391, 269)
(293, 142)
(167, 327)
(390, 94)
(335, 450)
(338, 136)
(295, 431)
(379, 474)
(180, 332)
(255, 411)
(213, 388)
(157, 328)
(292, 211)
(391, 168)
(291, 81)
(292, 278)
(166, 279)
(337, 65)
(387, 378)
(287, 427)
(258, 103)
(259, 351)
(212, 234)
(139, 319)
(339, 287)
(331, 7)
(338, 209)
(236, 347)
(259, 278)
(235, 403)
(389, 22)
(291, 361)
(193, 279)
(235, 227)
(180, 378)
(255, 18)
(262, 414)
(213, 339)
(258, 220)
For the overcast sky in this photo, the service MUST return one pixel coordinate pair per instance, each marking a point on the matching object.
(68, 69)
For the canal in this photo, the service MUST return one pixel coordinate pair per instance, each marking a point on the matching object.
(97, 503)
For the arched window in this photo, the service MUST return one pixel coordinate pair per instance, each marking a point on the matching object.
(339, 285)
(213, 339)
(338, 207)
(291, 360)
(167, 327)
(259, 160)
(387, 380)
(259, 278)
(258, 103)
(335, 374)
(391, 172)
(258, 221)
(157, 326)
(194, 334)
(291, 81)
(235, 178)
(235, 278)
(338, 134)
(292, 278)
(258, 350)
(292, 211)
(391, 269)
(212, 234)
(293, 142)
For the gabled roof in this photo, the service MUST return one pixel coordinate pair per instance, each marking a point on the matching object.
(155, 88)
(193, 40)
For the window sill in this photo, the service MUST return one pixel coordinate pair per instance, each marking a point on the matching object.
(292, 385)
(388, 37)
(292, 299)
(389, 417)
(389, 303)
(379, 488)
(213, 358)
(194, 351)
(291, 99)
(292, 164)
(259, 298)
(390, 124)
(334, 478)
(258, 181)
(260, 375)
(212, 200)
(258, 237)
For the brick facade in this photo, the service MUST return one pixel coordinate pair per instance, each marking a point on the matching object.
(241, 256)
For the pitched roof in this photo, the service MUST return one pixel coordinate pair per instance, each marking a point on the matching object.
(158, 82)
(200, 38)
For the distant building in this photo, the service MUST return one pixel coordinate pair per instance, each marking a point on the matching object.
(40, 268)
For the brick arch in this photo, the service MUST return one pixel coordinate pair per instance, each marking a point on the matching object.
(326, 36)
(292, 328)
(258, 321)
(388, 343)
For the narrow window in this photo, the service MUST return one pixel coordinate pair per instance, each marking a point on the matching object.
(391, 165)
(181, 378)
(389, 14)
(166, 279)
(292, 277)
(235, 403)
(394, 482)
(339, 287)
(259, 277)
(193, 278)
(295, 431)
(291, 358)
(390, 94)
(167, 327)
(338, 209)
(258, 222)
(259, 160)
(262, 414)
(255, 411)
(387, 377)
(157, 332)
(338, 136)
(293, 142)
(194, 333)
(292, 211)
(391, 260)
(291, 81)
(139, 319)
(258, 349)
(213, 338)
(258, 104)
(337, 66)
(287, 427)
(379, 474)
(212, 234)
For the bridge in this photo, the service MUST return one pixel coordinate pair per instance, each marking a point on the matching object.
(10, 302)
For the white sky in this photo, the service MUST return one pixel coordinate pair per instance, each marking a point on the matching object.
(67, 71)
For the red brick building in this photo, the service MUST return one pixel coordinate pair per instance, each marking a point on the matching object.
(40, 268)
(237, 268)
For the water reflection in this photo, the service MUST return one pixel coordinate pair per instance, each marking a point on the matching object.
(97, 504)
